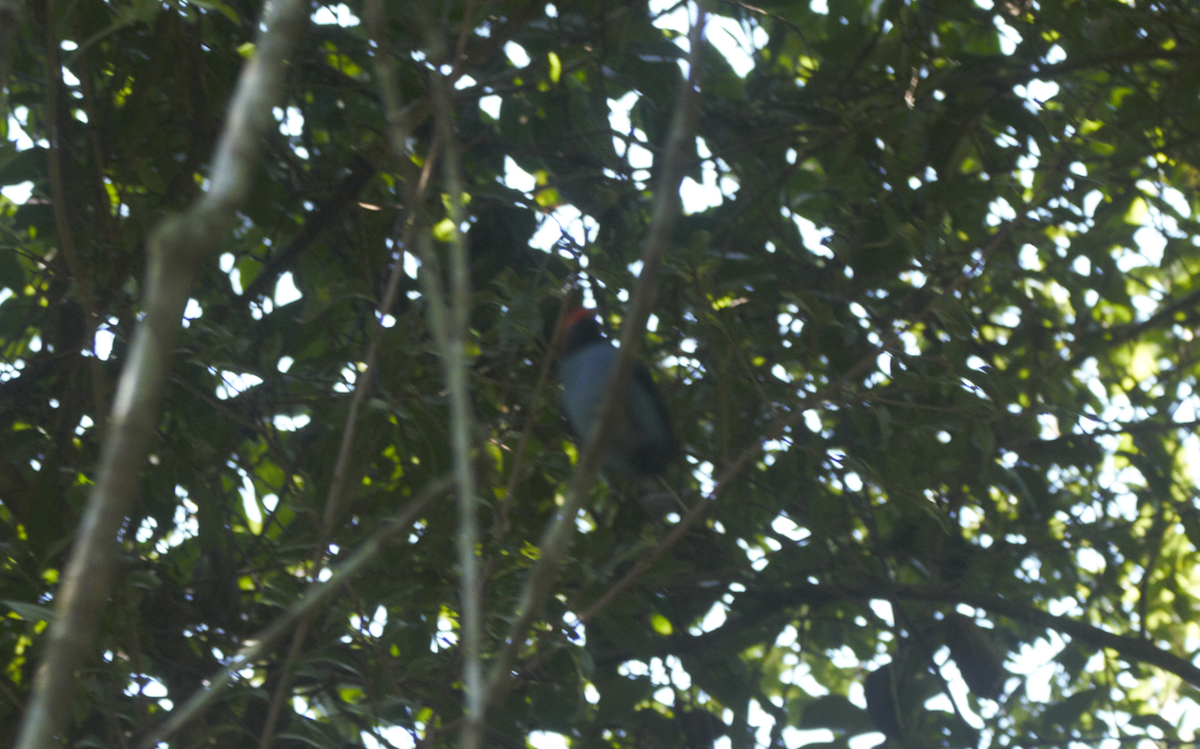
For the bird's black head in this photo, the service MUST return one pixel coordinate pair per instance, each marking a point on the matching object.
(578, 329)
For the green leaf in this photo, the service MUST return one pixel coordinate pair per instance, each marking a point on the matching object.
(835, 713)
(30, 612)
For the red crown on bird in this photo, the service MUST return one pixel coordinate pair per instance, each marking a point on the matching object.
(570, 319)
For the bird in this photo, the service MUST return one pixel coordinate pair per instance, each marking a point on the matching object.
(643, 443)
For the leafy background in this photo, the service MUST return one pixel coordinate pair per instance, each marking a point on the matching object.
(929, 322)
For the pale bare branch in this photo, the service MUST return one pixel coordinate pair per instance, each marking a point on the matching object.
(557, 538)
(318, 595)
(177, 247)
(449, 319)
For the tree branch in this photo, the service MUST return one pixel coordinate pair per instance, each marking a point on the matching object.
(1132, 648)
(557, 538)
(449, 320)
(80, 276)
(334, 500)
(318, 595)
(802, 593)
(176, 249)
(344, 194)
(10, 21)
(730, 472)
(453, 333)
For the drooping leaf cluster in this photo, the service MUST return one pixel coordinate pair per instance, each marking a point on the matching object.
(935, 343)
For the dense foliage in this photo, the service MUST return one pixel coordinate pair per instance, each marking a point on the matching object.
(934, 341)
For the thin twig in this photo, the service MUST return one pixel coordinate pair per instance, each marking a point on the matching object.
(10, 21)
(526, 430)
(454, 357)
(80, 275)
(334, 500)
(780, 425)
(557, 538)
(317, 597)
(283, 688)
(453, 334)
(449, 321)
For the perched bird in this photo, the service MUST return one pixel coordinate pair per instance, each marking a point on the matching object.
(643, 444)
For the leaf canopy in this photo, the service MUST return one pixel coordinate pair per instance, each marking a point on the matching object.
(924, 328)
